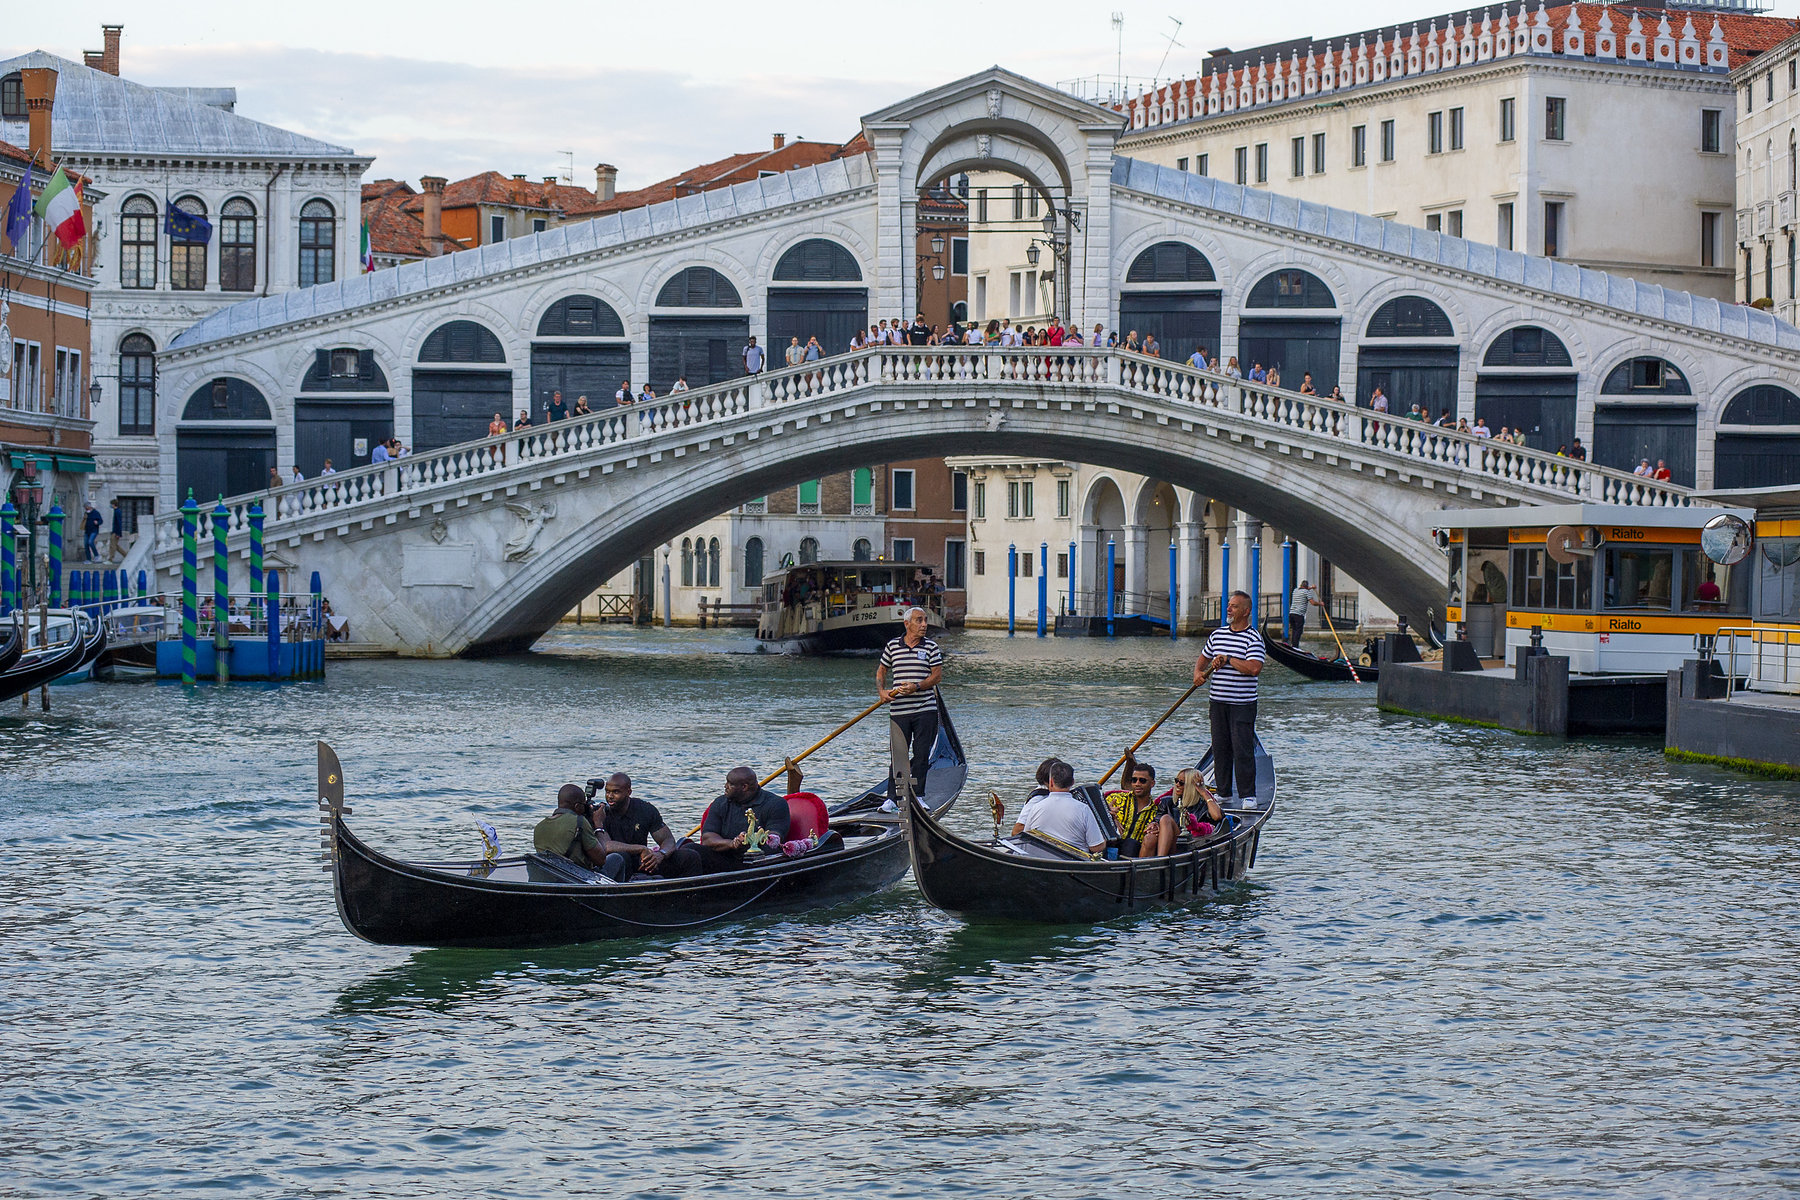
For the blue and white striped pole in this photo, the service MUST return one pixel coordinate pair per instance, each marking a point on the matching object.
(1012, 587)
(1043, 587)
(1111, 560)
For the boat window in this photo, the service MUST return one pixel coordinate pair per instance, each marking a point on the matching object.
(1540, 582)
(1487, 576)
(1639, 578)
(1710, 587)
(1456, 575)
(1777, 579)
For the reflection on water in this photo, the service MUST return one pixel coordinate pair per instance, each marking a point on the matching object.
(1466, 961)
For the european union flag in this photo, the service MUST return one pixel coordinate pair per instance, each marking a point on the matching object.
(18, 213)
(185, 227)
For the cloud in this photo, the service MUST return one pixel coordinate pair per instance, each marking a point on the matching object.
(446, 118)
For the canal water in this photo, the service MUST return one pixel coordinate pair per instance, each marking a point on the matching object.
(1467, 962)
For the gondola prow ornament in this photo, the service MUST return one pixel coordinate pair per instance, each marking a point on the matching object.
(331, 802)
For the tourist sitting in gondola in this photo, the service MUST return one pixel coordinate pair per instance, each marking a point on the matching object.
(1147, 827)
(569, 831)
(635, 839)
(1060, 817)
(747, 817)
(1195, 803)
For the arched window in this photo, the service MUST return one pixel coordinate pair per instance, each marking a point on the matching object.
(1171, 262)
(809, 549)
(137, 385)
(959, 312)
(862, 551)
(226, 399)
(1292, 288)
(12, 98)
(237, 246)
(137, 243)
(817, 260)
(318, 243)
(1410, 317)
(698, 287)
(1637, 376)
(687, 562)
(344, 369)
(712, 563)
(1527, 346)
(753, 562)
(1766, 404)
(187, 259)
(462, 342)
(581, 316)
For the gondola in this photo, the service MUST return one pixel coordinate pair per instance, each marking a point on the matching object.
(1314, 667)
(536, 900)
(1026, 879)
(47, 663)
(11, 647)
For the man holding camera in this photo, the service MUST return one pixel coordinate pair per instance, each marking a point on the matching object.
(623, 837)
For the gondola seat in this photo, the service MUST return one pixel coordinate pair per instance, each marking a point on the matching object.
(807, 815)
(1090, 795)
(541, 867)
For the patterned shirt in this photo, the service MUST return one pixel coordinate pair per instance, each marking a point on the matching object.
(1230, 685)
(1133, 822)
(911, 664)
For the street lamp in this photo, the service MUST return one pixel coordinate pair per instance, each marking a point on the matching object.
(28, 494)
(1032, 253)
(93, 396)
(937, 243)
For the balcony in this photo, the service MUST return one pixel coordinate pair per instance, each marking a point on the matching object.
(862, 510)
(1784, 205)
(1765, 217)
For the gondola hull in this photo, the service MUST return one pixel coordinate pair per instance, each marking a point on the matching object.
(985, 882)
(528, 902)
(1314, 667)
(38, 667)
(12, 646)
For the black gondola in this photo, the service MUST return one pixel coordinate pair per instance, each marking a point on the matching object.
(1025, 879)
(1314, 667)
(537, 900)
(11, 647)
(37, 667)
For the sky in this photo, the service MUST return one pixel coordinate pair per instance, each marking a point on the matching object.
(454, 88)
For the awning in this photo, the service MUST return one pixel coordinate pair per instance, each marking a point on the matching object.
(44, 461)
(74, 463)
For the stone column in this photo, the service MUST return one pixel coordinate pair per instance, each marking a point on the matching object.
(1137, 567)
(894, 255)
(1091, 570)
(1190, 559)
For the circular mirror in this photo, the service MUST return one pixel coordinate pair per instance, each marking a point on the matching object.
(1725, 539)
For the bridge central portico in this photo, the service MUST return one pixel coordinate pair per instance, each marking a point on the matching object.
(479, 543)
(484, 546)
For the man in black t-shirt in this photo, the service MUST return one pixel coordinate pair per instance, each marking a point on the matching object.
(918, 333)
(724, 831)
(634, 837)
(556, 409)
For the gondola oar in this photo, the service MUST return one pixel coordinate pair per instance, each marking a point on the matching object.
(1354, 677)
(789, 764)
(1153, 728)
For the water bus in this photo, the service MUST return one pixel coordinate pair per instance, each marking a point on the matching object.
(838, 606)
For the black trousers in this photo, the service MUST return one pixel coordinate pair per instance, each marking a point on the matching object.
(1296, 626)
(679, 865)
(910, 741)
(1234, 747)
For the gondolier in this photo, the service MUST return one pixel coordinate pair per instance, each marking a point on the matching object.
(1304, 597)
(914, 665)
(1234, 657)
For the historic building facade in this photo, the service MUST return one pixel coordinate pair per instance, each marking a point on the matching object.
(283, 215)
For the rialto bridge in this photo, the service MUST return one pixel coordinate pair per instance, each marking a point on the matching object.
(473, 544)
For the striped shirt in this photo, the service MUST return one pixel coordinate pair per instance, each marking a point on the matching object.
(1230, 685)
(911, 664)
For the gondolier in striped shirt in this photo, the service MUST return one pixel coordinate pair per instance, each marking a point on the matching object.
(907, 679)
(1233, 656)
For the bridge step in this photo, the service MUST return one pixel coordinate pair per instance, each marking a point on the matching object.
(358, 650)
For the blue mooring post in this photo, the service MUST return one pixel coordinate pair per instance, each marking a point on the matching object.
(143, 588)
(1256, 584)
(1224, 576)
(1174, 590)
(1043, 587)
(8, 570)
(1073, 576)
(1012, 587)
(190, 601)
(1287, 582)
(109, 590)
(221, 525)
(274, 585)
(316, 645)
(55, 521)
(1111, 559)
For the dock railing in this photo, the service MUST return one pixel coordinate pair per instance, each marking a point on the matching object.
(1766, 657)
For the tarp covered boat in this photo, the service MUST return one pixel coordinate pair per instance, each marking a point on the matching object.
(547, 900)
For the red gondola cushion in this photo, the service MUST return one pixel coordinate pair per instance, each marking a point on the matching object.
(806, 815)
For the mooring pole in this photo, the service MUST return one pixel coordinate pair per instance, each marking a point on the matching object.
(1043, 587)
(221, 523)
(190, 568)
(1111, 559)
(1224, 576)
(55, 520)
(1174, 589)
(1012, 585)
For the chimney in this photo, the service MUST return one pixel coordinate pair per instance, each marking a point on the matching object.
(93, 59)
(549, 181)
(109, 57)
(432, 186)
(39, 85)
(780, 140)
(606, 182)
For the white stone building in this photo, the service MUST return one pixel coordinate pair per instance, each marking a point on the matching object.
(1768, 177)
(284, 215)
(1532, 131)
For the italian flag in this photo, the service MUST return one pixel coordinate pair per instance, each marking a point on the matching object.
(60, 207)
(368, 254)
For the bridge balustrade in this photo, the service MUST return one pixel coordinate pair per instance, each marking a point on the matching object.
(522, 455)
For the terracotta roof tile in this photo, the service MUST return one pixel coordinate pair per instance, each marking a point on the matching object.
(724, 172)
